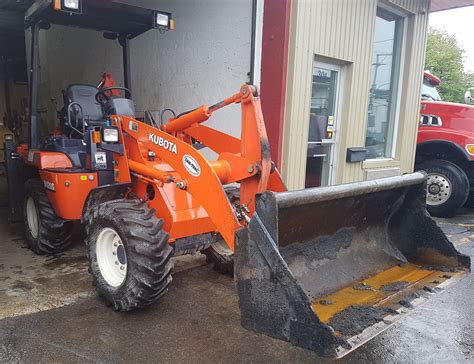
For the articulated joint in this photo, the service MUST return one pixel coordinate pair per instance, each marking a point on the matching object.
(246, 90)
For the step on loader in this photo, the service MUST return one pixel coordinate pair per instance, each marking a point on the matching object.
(325, 269)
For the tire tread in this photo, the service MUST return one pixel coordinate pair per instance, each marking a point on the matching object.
(149, 264)
(54, 235)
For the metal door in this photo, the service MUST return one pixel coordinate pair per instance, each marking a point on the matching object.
(322, 136)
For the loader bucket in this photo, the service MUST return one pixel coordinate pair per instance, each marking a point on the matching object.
(329, 268)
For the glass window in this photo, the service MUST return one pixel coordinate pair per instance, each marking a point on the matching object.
(384, 85)
(429, 92)
(324, 91)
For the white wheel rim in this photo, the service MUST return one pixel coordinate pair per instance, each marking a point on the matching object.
(32, 217)
(111, 257)
(438, 189)
(222, 248)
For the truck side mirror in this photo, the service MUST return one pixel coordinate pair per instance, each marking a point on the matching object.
(467, 97)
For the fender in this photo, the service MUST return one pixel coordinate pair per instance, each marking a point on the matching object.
(449, 144)
(102, 194)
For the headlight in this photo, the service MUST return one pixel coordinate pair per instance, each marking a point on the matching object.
(71, 4)
(162, 20)
(8, 137)
(110, 135)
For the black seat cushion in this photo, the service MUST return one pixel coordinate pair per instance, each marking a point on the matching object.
(84, 95)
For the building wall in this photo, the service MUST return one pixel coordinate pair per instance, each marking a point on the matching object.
(341, 31)
(205, 59)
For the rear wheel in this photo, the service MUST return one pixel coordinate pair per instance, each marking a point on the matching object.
(447, 187)
(46, 233)
(221, 256)
(129, 255)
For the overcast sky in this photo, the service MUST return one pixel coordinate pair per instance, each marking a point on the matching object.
(459, 22)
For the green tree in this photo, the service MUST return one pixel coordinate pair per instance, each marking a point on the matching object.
(444, 58)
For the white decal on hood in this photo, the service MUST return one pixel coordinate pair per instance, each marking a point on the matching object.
(191, 165)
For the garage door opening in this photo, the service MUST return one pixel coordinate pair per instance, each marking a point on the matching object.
(13, 78)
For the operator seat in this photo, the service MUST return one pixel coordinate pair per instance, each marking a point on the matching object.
(83, 95)
(80, 107)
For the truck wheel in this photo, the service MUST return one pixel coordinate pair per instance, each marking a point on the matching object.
(128, 252)
(221, 256)
(46, 233)
(447, 189)
(470, 201)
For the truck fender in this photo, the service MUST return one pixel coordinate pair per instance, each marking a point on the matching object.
(102, 194)
(455, 148)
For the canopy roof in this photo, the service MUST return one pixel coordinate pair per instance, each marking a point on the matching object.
(105, 15)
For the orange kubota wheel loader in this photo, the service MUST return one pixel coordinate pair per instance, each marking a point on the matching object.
(326, 268)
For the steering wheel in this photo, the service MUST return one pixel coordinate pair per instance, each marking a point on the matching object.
(102, 97)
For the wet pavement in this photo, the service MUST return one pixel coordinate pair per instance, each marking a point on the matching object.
(50, 313)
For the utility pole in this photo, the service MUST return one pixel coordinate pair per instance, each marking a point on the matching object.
(377, 64)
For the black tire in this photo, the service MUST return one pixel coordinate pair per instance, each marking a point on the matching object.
(222, 260)
(217, 253)
(470, 201)
(52, 234)
(456, 179)
(147, 253)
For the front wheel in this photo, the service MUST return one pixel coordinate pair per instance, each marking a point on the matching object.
(447, 187)
(129, 255)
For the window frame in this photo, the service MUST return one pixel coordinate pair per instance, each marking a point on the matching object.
(398, 64)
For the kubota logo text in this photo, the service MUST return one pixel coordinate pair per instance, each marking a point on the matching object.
(191, 165)
(162, 142)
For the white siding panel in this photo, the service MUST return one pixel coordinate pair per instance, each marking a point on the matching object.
(341, 31)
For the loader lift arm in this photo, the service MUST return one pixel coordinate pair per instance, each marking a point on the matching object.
(246, 161)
